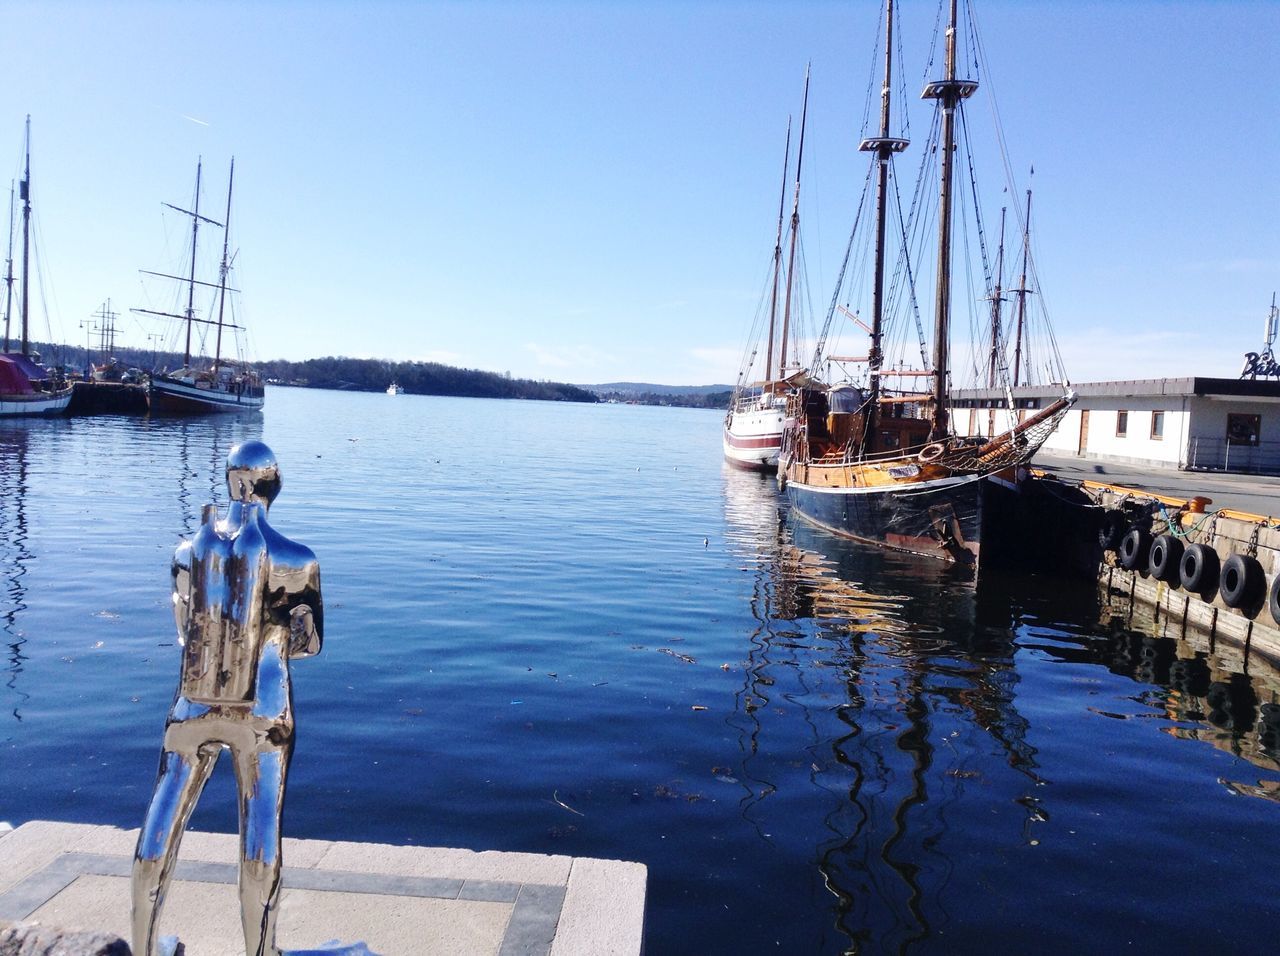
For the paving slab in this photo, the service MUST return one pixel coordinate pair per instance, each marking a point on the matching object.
(399, 900)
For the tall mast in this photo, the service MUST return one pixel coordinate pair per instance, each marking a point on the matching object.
(795, 228)
(777, 258)
(8, 276)
(884, 146)
(222, 273)
(1022, 293)
(191, 285)
(997, 296)
(949, 92)
(25, 193)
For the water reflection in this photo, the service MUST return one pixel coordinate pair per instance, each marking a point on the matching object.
(907, 684)
(14, 555)
(201, 444)
(1208, 693)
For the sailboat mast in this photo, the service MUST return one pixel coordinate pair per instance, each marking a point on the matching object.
(949, 92)
(795, 229)
(222, 273)
(25, 193)
(8, 273)
(884, 146)
(997, 296)
(191, 283)
(777, 258)
(1022, 293)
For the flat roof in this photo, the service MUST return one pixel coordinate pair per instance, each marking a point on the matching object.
(1143, 387)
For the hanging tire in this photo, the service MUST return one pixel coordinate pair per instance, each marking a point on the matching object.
(1166, 559)
(1134, 549)
(1243, 583)
(1198, 569)
(1111, 532)
(1274, 600)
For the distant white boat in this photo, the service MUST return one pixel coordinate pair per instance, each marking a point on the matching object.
(395, 389)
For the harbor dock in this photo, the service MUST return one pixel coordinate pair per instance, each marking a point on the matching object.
(398, 900)
(1230, 515)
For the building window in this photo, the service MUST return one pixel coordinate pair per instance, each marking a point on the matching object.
(1157, 425)
(1122, 424)
(1243, 429)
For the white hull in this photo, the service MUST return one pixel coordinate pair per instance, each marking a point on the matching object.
(38, 404)
(753, 435)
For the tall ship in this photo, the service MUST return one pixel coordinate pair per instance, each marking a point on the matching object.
(875, 457)
(753, 425)
(26, 386)
(223, 384)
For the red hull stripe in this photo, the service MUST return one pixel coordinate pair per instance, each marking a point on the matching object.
(768, 441)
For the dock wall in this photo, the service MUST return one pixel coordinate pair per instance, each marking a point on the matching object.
(1070, 519)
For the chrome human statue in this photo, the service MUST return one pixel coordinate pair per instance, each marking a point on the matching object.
(246, 599)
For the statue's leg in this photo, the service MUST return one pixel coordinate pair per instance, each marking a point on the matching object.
(182, 777)
(260, 777)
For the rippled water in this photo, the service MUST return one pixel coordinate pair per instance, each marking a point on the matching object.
(570, 629)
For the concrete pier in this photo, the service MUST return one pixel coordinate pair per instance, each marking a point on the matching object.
(399, 900)
(1236, 521)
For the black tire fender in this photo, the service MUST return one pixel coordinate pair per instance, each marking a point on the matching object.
(1243, 584)
(1111, 532)
(1199, 569)
(1134, 549)
(1166, 559)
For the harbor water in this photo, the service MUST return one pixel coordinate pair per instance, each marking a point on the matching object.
(571, 629)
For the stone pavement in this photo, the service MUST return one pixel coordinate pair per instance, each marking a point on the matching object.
(399, 900)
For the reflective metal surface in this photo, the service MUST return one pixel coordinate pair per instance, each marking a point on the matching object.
(245, 600)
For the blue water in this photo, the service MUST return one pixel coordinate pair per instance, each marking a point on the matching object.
(570, 629)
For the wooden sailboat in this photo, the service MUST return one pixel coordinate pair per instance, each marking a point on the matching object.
(26, 386)
(754, 423)
(225, 385)
(879, 461)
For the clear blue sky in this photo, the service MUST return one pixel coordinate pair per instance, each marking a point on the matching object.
(587, 191)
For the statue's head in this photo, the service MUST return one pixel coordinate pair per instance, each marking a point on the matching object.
(252, 473)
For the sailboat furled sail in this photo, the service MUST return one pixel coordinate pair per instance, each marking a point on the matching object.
(875, 457)
(223, 385)
(26, 386)
(753, 425)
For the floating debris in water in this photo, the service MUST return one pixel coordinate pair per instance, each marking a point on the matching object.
(680, 657)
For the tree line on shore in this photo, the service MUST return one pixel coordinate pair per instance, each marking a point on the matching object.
(374, 375)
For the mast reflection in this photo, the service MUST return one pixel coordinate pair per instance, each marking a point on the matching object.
(904, 679)
(14, 555)
(202, 443)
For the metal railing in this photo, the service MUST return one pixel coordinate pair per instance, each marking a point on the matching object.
(1218, 454)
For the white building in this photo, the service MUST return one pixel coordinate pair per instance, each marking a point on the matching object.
(1203, 423)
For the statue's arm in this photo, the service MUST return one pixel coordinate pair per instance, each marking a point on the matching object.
(181, 571)
(306, 617)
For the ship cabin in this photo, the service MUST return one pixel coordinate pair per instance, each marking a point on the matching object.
(835, 418)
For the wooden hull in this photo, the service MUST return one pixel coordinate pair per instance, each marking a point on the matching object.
(941, 517)
(35, 403)
(168, 396)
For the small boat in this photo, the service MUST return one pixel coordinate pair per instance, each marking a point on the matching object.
(26, 386)
(395, 389)
(877, 459)
(224, 385)
(753, 425)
